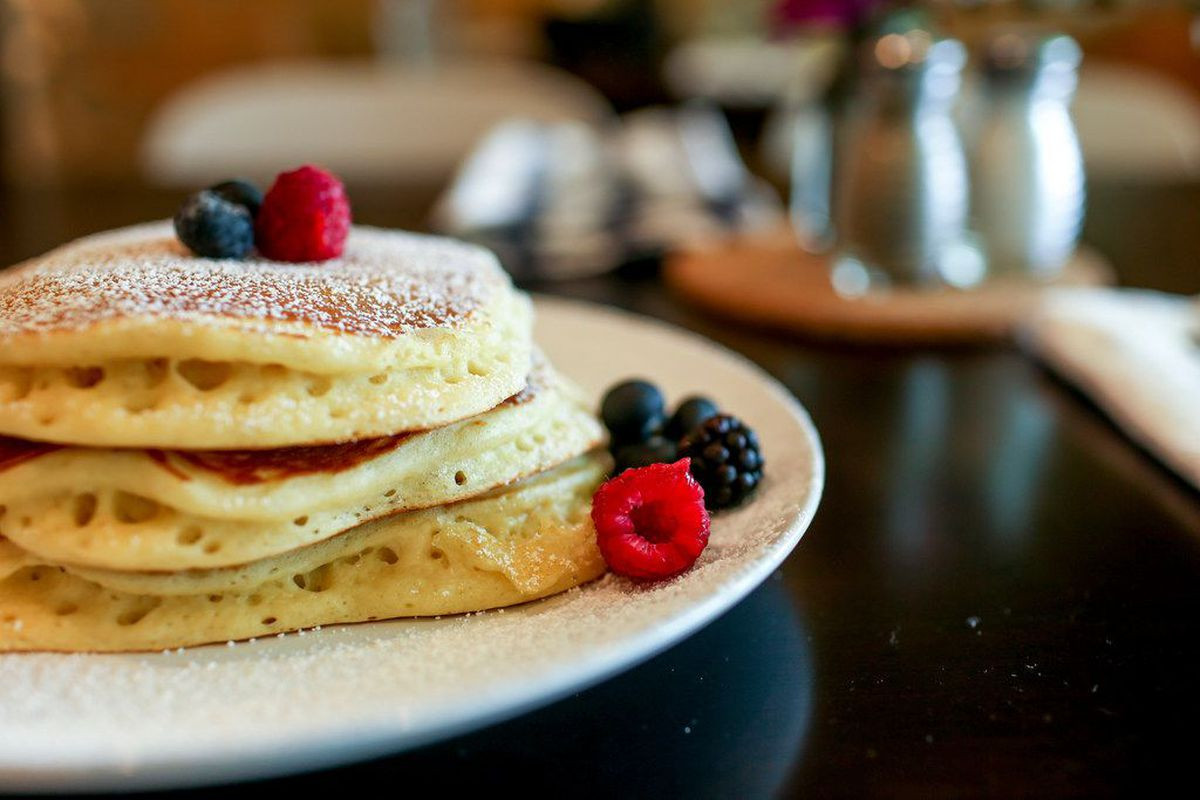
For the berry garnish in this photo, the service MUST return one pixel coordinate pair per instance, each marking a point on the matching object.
(650, 522)
(632, 411)
(305, 216)
(655, 450)
(688, 416)
(239, 192)
(213, 227)
(725, 459)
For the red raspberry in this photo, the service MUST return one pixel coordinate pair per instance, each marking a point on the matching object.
(305, 216)
(650, 522)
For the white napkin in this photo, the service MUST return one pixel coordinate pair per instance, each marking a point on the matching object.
(1137, 355)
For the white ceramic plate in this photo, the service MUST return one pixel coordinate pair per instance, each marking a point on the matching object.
(327, 697)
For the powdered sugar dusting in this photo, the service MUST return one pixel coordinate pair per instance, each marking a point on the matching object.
(290, 702)
(347, 680)
(387, 283)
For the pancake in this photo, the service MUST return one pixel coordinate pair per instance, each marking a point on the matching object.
(526, 541)
(123, 339)
(157, 510)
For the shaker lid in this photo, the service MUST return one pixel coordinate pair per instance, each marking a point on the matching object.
(914, 65)
(906, 59)
(1020, 57)
(905, 42)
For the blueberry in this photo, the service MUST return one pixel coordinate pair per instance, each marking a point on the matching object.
(239, 192)
(688, 416)
(655, 450)
(632, 411)
(214, 227)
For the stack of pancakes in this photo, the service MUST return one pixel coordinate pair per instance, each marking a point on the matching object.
(195, 450)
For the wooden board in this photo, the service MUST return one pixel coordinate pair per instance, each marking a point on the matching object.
(769, 281)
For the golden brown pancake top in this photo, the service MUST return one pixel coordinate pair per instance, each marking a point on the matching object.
(387, 283)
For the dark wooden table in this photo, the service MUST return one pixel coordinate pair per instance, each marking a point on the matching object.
(999, 596)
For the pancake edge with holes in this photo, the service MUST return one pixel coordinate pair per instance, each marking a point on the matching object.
(152, 511)
(527, 541)
(124, 340)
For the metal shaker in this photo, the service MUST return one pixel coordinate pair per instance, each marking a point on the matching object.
(901, 183)
(1027, 169)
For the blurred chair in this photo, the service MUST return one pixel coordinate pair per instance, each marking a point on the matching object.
(370, 122)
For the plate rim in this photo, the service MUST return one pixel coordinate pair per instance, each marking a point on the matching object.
(354, 742)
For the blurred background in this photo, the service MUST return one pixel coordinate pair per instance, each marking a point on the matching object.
(863, 142)
(579, 135)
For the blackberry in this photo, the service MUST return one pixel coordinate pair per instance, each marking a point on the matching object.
(688, 416)
(240, 192)
(726, 460)
(213, 227)
(632, 411)
(655, 450)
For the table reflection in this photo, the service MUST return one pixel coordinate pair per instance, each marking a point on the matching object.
(733, 703)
